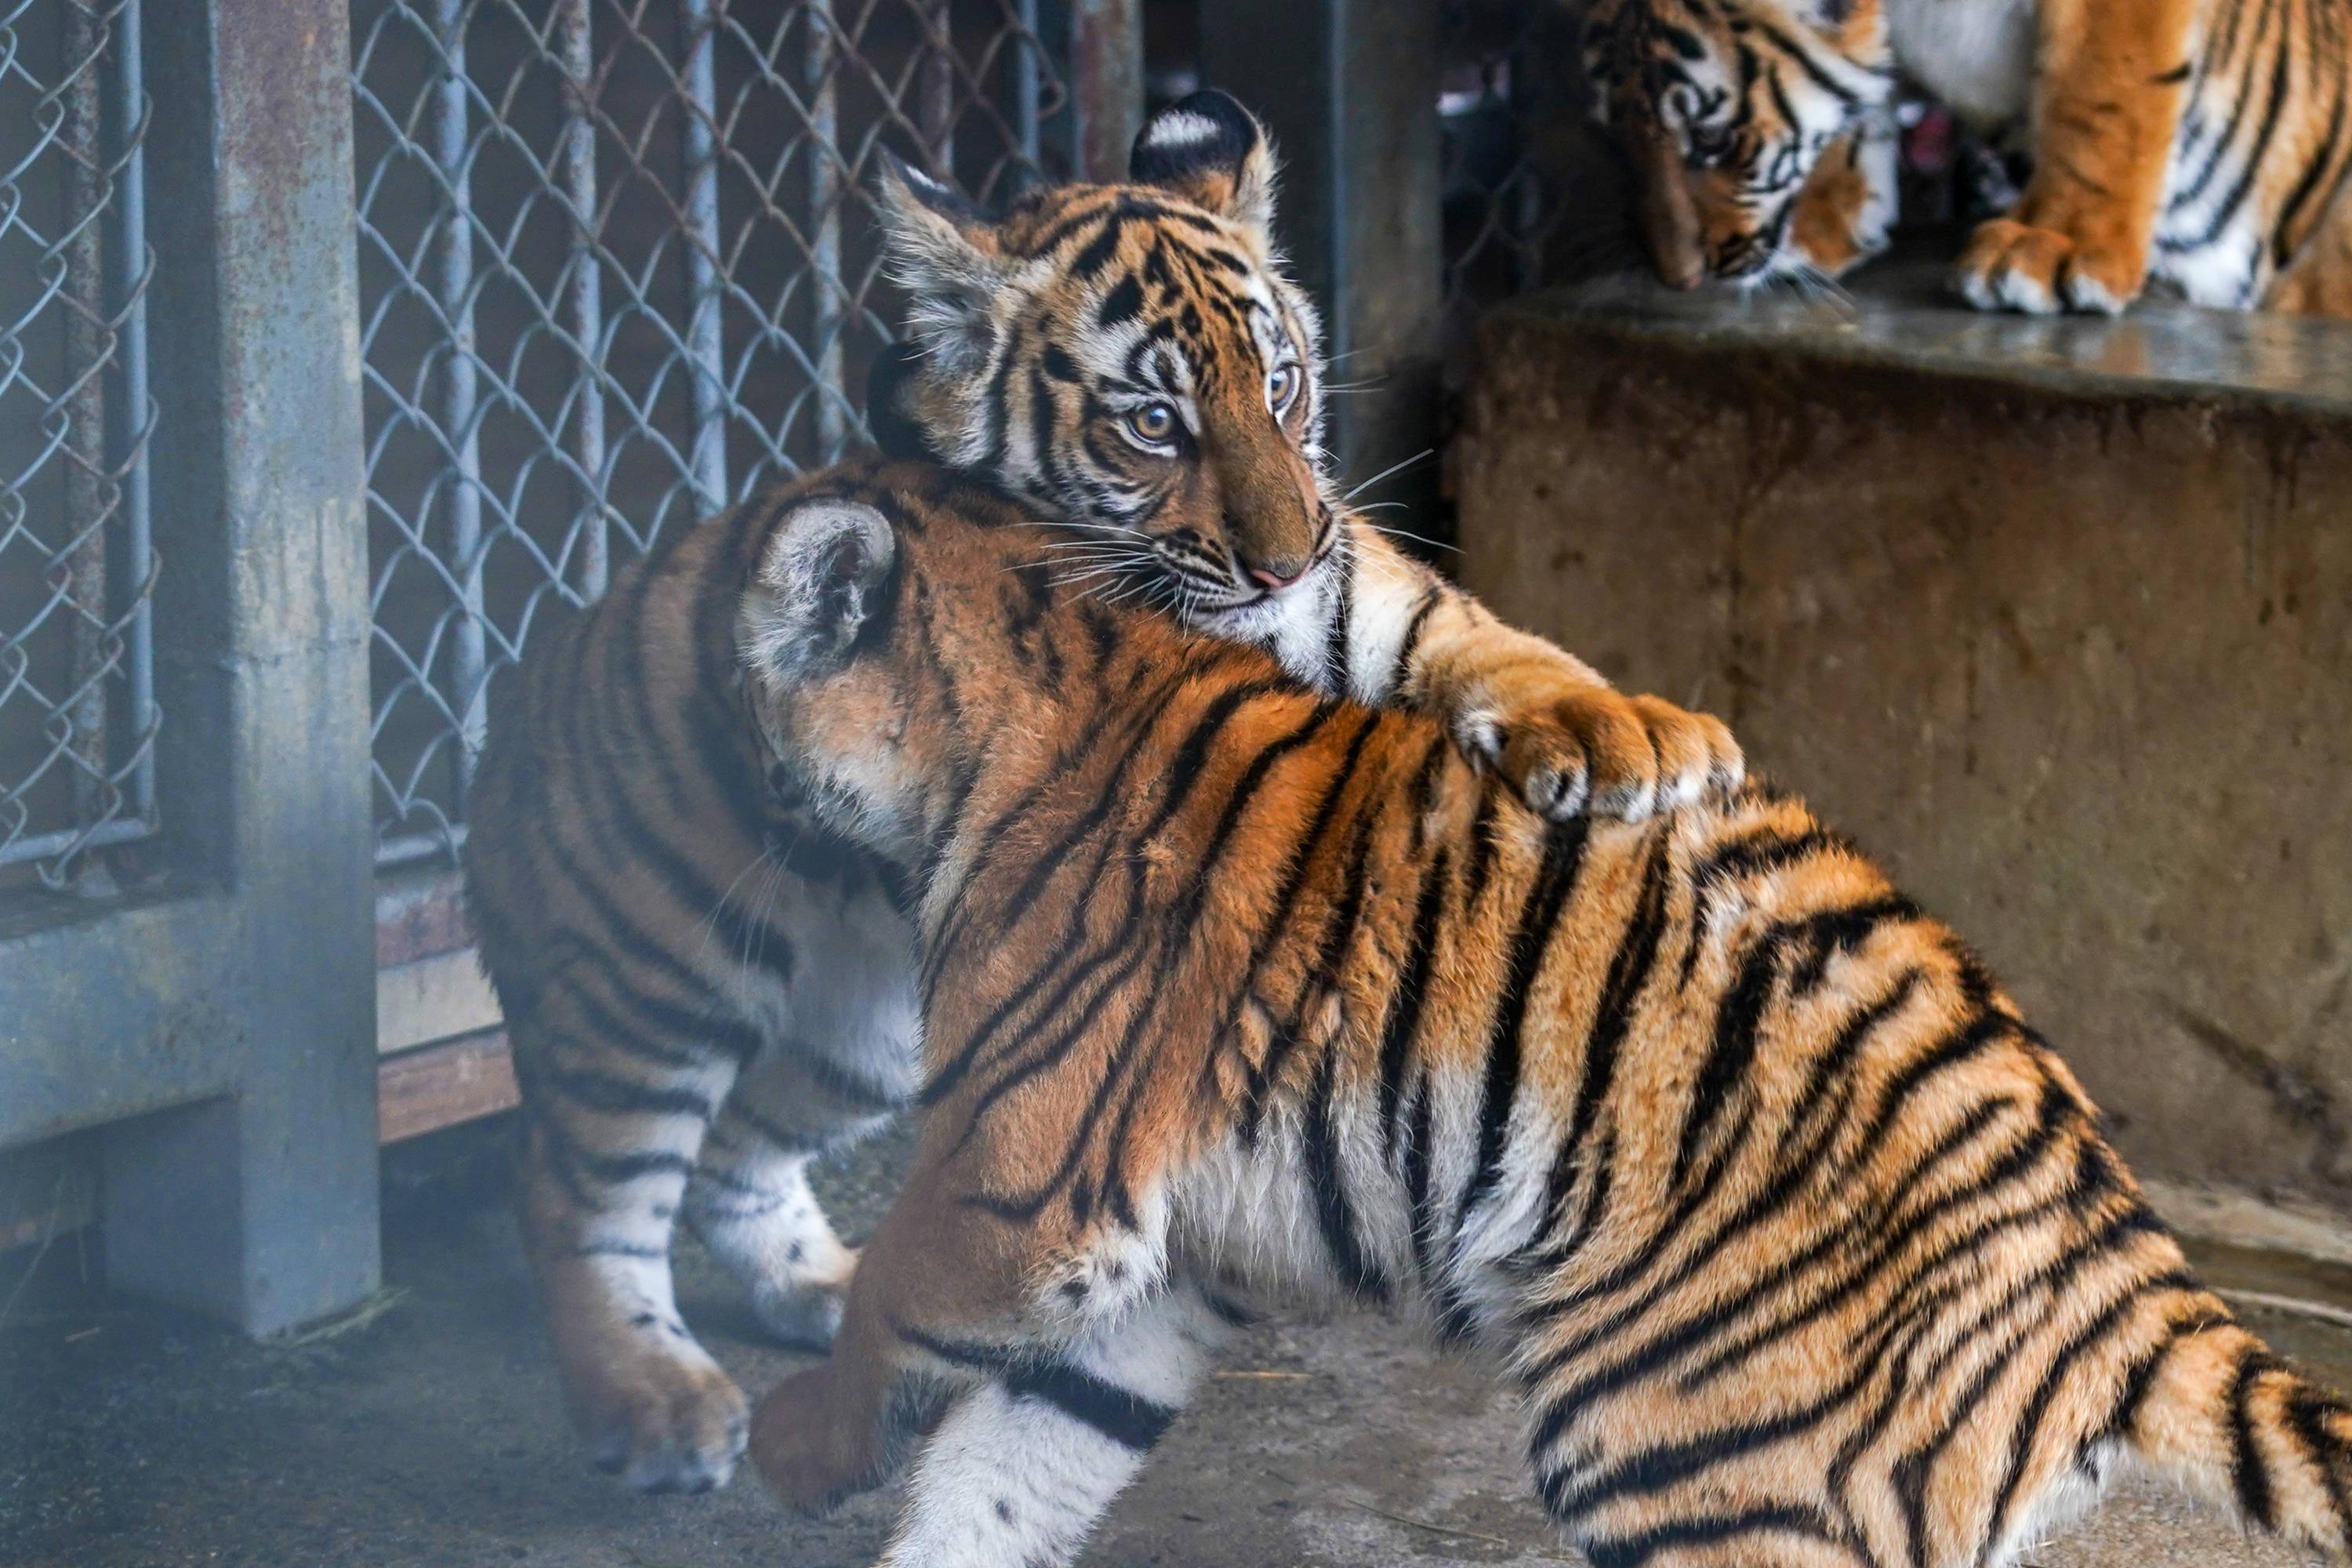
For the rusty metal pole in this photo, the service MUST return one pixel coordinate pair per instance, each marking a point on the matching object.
(586, 303)
(225, 1032)
(935, 88)
(1105, 85)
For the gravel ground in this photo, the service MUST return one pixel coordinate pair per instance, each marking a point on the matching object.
(427, 1431)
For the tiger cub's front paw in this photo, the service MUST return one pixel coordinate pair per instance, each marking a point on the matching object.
(2013, 266)
(1600, 752)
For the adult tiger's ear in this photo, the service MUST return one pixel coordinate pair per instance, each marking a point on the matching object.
(943, 252)
(822, 577)
(1212, 153)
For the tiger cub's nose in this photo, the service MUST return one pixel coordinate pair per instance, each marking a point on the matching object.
(1278, 573)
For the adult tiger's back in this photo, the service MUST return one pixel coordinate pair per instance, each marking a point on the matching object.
(1800, 1246)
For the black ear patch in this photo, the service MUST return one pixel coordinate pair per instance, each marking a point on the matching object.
(888, 415)
(1199, 147)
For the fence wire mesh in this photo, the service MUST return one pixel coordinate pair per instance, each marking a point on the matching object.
(618, 268)
(77, 714)
(1512, 105)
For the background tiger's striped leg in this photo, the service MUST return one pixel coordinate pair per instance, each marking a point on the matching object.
(848, 1068)
(750, 1203)
(613, 1119)
(1023, 1466)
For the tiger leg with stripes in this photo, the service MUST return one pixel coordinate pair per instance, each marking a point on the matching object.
(1022, 1466)
(1064, 1339)
(651, 1402)
(845, 1070)
(2110, 83)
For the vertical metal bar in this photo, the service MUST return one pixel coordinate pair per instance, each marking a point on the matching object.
(935, 88)
(1023, 67)
(1349, 90)
(705, 346)
(131, 262)
(1106, 76)
(587, 302)
(81, 569)
(826, 311)
(454, 293)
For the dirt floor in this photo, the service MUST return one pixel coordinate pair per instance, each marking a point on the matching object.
(426, 1431)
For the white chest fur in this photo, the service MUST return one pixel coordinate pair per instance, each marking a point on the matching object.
(1976, 56)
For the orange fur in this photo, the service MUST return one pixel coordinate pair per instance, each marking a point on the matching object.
(2198, 141)
(1800, 1244)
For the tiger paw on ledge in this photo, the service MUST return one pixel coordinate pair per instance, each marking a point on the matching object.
(2040, 270)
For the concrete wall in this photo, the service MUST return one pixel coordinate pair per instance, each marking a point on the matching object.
(2070, 649)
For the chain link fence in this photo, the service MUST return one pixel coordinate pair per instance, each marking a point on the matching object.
(618, 268)
(78, 711)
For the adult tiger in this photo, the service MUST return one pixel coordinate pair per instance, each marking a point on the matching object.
(2203, 142)
(1800, 1246)
(704, 992)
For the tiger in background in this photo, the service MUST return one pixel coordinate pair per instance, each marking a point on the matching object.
(2200, 143)
(1799, 1245)
(705, 992)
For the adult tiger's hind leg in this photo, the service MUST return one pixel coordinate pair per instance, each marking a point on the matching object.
(611, 1129)
(2110, 80)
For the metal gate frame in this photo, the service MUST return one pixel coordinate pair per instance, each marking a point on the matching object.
(223, 1027)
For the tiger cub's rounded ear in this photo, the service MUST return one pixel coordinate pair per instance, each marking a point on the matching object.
(819, 581)
(943, 251)
(1212, 153)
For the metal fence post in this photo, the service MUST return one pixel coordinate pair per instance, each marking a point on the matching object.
(1348, 89)
(1106, 55)
(251, 1008)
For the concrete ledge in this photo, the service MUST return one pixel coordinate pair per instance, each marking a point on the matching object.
(2056, 617)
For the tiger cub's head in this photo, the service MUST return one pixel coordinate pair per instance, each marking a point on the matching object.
(1128, 357)
(1755, 129)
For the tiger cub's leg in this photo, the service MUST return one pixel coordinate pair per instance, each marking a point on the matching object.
(846, 1066)
(751, 1203)
(1562, 736)
(2110, 79)
(1023, 1466)
(612, 1126)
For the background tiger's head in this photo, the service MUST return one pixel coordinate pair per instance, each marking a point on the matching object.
(1128, 356)
(1746, 125)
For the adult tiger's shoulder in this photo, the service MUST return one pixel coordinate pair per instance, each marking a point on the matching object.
(1798, 1244)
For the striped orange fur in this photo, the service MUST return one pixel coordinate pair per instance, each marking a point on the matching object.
(1800, 1244)
(2200, 142)
(705, 994)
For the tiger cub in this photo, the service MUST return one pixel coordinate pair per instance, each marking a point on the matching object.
(705, 992)
(1798, 1244)
(2201, 143)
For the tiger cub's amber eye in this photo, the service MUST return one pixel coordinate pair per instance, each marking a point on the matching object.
(1153, 423)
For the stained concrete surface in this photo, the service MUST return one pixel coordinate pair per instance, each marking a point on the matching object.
(2055, 617)
(429, 1436)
